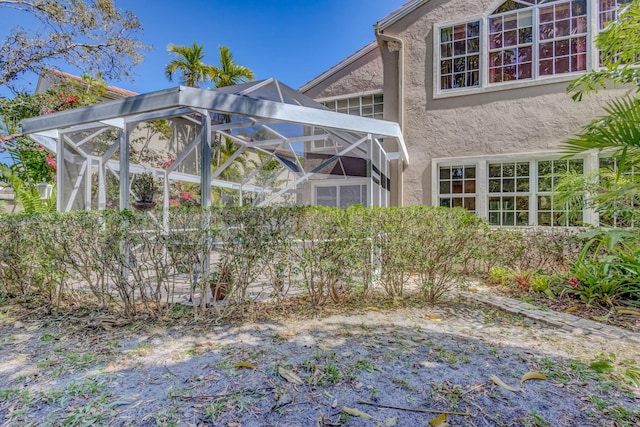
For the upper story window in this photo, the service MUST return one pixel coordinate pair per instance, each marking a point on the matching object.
(460, 55)
(520, 40)
(364, 106)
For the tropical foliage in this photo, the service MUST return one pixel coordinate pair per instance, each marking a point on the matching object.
(607, 268)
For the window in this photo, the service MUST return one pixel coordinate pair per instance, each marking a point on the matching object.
(510, 192)
(342, 196)
(562, 35)
(460, 55)
(457, 186)
(549, 173)
(525, 40)
(509, 185)
(365, 106)
(511, 46)
(608, 12)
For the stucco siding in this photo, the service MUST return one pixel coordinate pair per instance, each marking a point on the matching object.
(538, 117)
(362, 75)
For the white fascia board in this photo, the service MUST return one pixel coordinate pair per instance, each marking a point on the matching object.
(54, 134)
(120, 108)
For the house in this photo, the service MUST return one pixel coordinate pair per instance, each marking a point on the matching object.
(479, 90)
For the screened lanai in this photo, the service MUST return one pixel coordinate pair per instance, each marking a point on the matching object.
(259, 143)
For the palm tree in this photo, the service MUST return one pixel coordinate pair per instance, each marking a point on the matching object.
(189, 63)
(229, 74)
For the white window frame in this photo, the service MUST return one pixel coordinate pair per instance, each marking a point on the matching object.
(593, 13)
(341, 183)
(591, 163)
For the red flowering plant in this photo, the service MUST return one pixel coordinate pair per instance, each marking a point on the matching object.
(181, 196)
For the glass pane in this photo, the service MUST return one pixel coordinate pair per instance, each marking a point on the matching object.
(559, 219)
(522, 169)
(495, 170)
(445, 173)
(494, 185)
(522, 185)
(494, 218)
(544, 218)
(446, 34)
(522, 203)
(456, 187)
(459, 47)
(456, 172)
(327, 196)
(457, 202)
(445, 202)
(544, 203)
(560, 167)
(508, 218)
(508, 185)
(544, 183)
(445, 187)
(470, 203)
(494, 203)
(460, 32)
(508, 170)
(544, 167)
(576, 165)
(473, 29)
(470, 186)
(508, 203)
(470, 172)
(522, 218)
(350, 195)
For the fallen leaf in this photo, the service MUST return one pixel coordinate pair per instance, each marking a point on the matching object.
(433, 317)
(391, 422)
(497, 381)
(290, 376)
(247, 365)
(373, 309)
(631, 311)
(532, 376)
(439, 421)
(571, 309)
(474, 290)
(356, 413)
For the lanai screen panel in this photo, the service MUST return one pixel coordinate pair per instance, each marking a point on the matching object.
(259, 143)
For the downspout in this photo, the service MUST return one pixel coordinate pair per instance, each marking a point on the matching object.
(395, 44)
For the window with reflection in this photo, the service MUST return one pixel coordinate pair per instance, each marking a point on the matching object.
(457, 186)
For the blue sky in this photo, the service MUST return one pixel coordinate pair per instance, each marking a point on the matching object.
(291, 40)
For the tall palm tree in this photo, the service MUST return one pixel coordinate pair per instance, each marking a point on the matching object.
(189, 64)
(229, 74)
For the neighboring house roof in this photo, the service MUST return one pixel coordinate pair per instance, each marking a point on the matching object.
(45, 82)
(339, 66)
(406, 9)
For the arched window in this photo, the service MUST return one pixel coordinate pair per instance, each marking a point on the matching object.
(528, 40)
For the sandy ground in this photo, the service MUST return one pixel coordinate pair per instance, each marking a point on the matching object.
(65, 371)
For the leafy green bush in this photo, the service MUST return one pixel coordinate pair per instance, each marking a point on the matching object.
(608, 267)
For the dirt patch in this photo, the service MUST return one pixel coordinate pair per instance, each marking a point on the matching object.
(64, 371)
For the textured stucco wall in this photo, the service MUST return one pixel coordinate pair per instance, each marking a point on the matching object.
(536, 118)
(364, 74)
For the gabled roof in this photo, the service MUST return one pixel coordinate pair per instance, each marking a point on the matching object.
(339, 66)
(398, 14)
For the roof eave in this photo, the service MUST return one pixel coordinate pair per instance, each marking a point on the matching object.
(397, 15)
